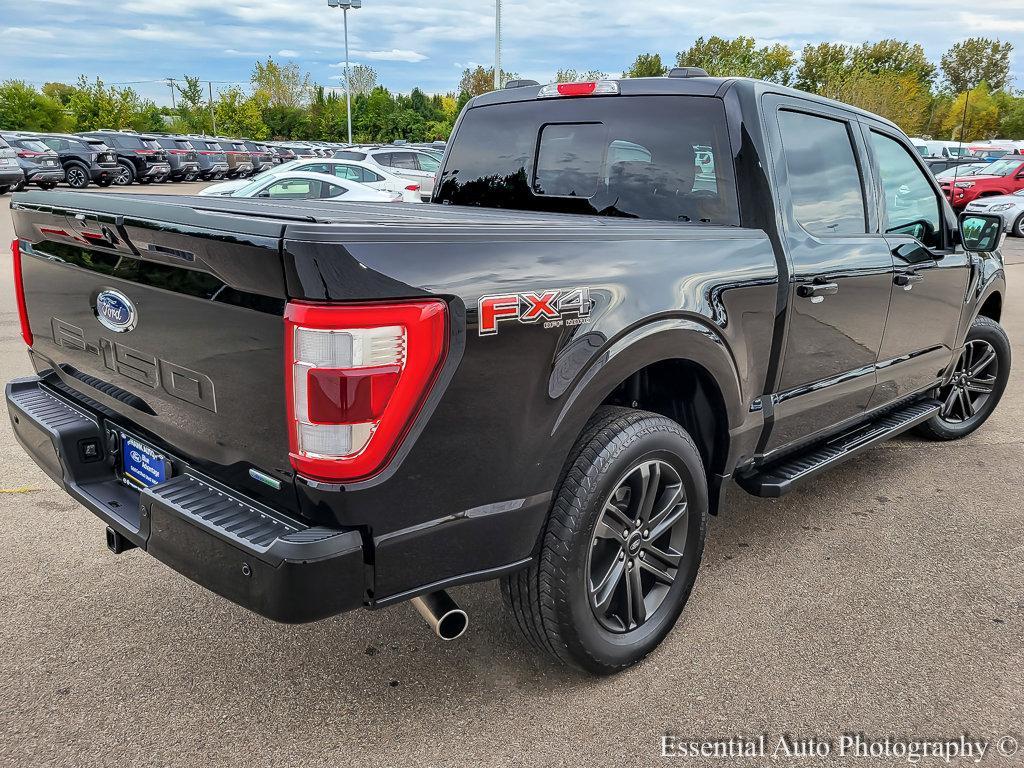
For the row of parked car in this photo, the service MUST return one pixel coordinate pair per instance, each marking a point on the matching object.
(125, 157)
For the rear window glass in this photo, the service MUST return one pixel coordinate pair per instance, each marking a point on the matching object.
(650, 157)
(346, 155)
(129, 142)
(32, 146)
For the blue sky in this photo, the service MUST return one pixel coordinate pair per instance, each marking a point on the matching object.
(414, 42)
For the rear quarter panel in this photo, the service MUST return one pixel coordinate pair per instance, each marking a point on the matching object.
(474, 486)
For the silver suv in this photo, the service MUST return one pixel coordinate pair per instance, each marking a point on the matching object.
(408, 163)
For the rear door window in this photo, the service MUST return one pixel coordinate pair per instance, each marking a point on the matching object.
(404, 161)
(427, 163)
(824, 178)
(650, 157)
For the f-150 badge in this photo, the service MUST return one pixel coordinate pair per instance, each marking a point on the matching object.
(555, 309)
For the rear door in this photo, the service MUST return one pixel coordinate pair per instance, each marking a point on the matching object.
(841, 269)
(930, 279)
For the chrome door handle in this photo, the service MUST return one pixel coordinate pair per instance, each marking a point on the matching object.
(907, 280)
(817, 290)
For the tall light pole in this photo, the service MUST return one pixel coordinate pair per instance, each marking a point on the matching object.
(497, 45)
(345, 5)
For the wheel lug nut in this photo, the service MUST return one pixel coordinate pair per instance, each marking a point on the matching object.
(647, 534)
(641, 555)
(637, 523)
(629, 566)
(622, 555)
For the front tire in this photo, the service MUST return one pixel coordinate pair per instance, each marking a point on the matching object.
(977, 385)
(622, 545)
(1018, 227)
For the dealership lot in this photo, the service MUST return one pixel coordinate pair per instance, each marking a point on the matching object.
(887, 597)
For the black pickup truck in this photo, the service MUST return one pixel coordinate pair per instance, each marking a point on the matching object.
(626, 298)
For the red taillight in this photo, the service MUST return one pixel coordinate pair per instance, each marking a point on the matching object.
(145, 152)
(413, 188)
(357, 376)
(29, 153)
(178, 151)
(19, 292)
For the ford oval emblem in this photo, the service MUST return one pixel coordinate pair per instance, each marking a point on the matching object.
(116, 311)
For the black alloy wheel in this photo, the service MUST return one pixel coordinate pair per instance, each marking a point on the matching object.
(976, 385)
(124, 175)
(973, 383)
(76, 177)
(637, 546)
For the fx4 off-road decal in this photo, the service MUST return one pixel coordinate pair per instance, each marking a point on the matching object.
(555, 309)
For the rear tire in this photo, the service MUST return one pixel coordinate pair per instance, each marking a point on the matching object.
(77, 177)
(622, 545)
(47, 185)
(977, 385)
(124, 175)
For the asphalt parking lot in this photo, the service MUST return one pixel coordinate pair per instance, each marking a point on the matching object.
(886, 598)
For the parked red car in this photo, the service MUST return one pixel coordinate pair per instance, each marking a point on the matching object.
(1002, 177)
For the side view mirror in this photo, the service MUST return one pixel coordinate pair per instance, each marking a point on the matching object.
(980, 232)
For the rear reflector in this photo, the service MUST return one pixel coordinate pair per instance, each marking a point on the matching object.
(19, 292)
(598, 88)
(357, 376)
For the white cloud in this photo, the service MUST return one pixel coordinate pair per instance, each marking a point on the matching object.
(393, 55)
(288, 53)
(27, 33)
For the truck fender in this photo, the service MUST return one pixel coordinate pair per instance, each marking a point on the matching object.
(654, 342)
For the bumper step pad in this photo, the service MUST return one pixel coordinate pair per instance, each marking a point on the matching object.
(780, 477)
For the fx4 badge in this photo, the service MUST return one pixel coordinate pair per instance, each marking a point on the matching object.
(547, 307)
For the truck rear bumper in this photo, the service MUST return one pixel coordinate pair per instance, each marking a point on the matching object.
(264, 561)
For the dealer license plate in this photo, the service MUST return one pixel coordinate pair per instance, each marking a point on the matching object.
(141, 466)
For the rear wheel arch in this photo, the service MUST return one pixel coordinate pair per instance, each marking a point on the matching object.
(696, 385)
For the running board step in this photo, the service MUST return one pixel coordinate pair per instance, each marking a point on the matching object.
(782, 476)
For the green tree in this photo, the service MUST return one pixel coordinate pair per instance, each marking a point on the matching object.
(573, 76)
(481, 80)
(93, 105)
(740, 57)
(821, 64)
(976, 60)
(193, 113)
(1011, 119)
(973, 115)
(281, 86)
(897, 96)
(895, 56)
(23, 108)
(364, 79)
(59, 92)
(646, 65)
(238, 115)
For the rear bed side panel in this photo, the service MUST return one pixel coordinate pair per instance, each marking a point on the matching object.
(474, 488)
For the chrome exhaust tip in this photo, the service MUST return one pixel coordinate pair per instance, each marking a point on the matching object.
(442, 614)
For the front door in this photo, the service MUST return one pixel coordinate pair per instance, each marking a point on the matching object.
(841, 271)
(931, 276)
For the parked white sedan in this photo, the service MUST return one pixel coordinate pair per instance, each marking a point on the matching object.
(360, 172)
(1010, 207)
(301, 185)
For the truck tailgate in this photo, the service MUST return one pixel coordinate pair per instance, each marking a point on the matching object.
(202, 294)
